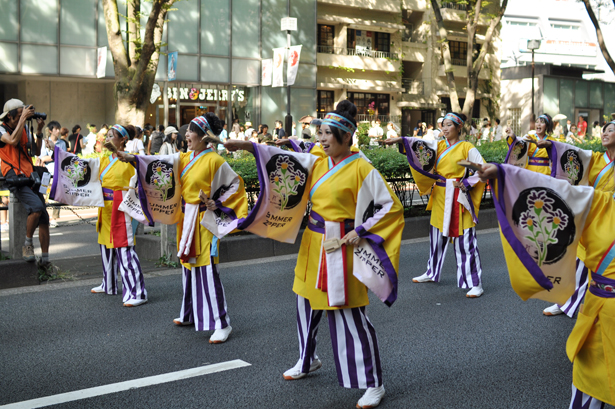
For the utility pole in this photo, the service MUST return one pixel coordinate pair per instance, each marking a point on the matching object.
(533, 45)
(288, 24)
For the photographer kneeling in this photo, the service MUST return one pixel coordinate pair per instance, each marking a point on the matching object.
(16, 151)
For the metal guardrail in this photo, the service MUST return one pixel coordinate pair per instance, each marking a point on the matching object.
(454, 6)
(325, 49)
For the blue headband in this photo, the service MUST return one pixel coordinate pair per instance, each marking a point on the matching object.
(121, 130)
(338, 121)
(202, 123)
(456, 119)
(546, 118)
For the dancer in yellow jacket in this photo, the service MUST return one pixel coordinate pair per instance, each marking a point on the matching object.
(524, 152)
(454, 202)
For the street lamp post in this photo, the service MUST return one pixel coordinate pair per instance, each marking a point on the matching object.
(533, 45)
(288, 24)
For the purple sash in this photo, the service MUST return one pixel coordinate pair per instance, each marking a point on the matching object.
(602, 287)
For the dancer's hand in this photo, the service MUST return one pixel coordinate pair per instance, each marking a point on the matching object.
(352, 238)
(233, 145)
(544, 144)
(489, 171)
(392, 141)
(125, 157)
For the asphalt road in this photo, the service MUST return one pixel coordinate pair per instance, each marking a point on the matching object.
(438, 348)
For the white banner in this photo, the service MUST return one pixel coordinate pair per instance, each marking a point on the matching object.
(101, 64)
(293, 64)
(266, 72)
(278, 67)
(75, 180)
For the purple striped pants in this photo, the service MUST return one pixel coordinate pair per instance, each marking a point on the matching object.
(204, 302)
(126, 261)
(582, 400)
(582, 280)
(355, 346)
(469, 269)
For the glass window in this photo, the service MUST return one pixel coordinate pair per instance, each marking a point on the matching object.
(326, 36)
(459, 52)
(351, 38)
(595, 95)
(102, 28)
(246, 71)
(187, 66)
(370, 103)
(580, 94)
(324, 102)
(551, 100)
(306, 75)
(529, 29)
(246, 28)
(214, 69)
(215, 27)
(383, 42)
(8, 20)
(39, 59)
(8, 57)
(33, 12)
(305, 10)
(566, 98)
(272, 36)
(77, 19)
(77, 61)
(566, 31)
(183, 28)
(110, 72)
(302, 103)
(161, 72)
(243, 101)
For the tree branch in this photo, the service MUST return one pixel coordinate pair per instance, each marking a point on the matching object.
(605, 51)
(134, 30)
(446, 56)
(114, 36)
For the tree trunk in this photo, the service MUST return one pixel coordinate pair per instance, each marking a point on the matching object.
(605, 51)
(135, 67)
(446, 56)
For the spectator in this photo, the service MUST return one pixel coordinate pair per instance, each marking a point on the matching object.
(155, 142)
(567, 127)
(429, 133)
(596, 130)
(135, 145)
(391, 132)
(572, 136)
(418, 130)
(379, 130)
(54, 134)
(255, 137)
(486, 131)
(438, 131)
(100, 137)
(223, 137)
(279, 132)
(4, 214)
(249, 129)
(497, 131)
(180, 142)
(16, 161)
(168, 145)
(64, 138)
(147, 134)
(76, 141)
(294, 135)
(581, 127)
(306, 133)
(473, 130)
(264, 135)
(90, 140)
(234, 134)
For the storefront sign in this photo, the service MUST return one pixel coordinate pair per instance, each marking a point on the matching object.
(205, 94)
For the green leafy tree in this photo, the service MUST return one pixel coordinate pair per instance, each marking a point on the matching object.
(135, 57)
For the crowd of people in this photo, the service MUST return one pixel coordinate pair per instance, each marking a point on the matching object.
(352, 207)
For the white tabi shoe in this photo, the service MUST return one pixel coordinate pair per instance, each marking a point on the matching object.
(178, 321)
(295, 373)
(422, 279)
(134, 303)
(98, 289)
(220, 335)
(475, 292)
(552, 310)
(371, 398)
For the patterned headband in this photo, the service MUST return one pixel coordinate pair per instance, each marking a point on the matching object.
(202, 123)
(338, 121)
(546, 118)
(121, 130)
(607, 124)
(456, 119)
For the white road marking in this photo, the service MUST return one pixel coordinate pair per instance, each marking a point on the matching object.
(124, 386)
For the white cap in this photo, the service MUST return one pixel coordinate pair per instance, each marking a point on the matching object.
(441, 119)
(10, 105)
(170, 130)
(248, 123)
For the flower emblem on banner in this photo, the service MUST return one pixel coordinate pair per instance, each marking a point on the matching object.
(424, 154)
(287, 177)
(160, 177)
(77, 170)
(572, 166)
(546, 224)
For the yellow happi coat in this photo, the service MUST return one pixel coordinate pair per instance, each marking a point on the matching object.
(115, 176)
(200, 177)
(591, 345)
(336, 200)
(601, 178)
(534, 152)
(447, 167)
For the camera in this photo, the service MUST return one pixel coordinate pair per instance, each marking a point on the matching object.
(38, 115)
(34, 181)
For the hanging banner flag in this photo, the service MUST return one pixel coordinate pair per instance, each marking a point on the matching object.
(293, 64)
(172, 67)
(278, 67)
(101, 65)
(75, 180)
(266, 74)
